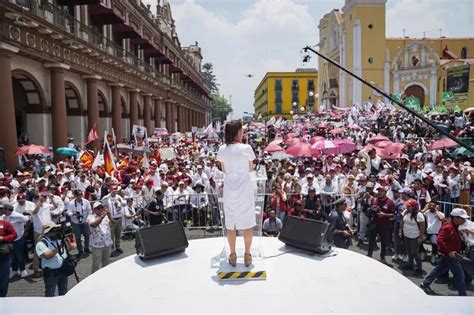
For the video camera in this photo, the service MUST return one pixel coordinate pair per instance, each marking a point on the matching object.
(64, 230)
(370, 212)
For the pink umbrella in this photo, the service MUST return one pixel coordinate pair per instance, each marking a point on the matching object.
(345, 146)
(292, 141)
(276, 141)
(300, 150)
(316, 139)
(377, 138)
(393, 150)
(291, 135)
(32, 149)
(325, 146)
(273, 148)
(337, 131)
(378, 151)
(354, 126)
(444, 143)
(383, 143)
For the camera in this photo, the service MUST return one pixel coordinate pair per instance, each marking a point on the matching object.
(370, 212)
(64, 230)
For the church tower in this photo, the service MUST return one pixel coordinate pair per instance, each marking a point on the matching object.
(364, 48)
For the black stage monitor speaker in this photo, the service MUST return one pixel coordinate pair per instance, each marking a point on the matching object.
(306, 234)
(160, 240)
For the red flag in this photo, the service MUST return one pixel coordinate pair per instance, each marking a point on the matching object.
(109, 164)
(87, 159)
(92, 135)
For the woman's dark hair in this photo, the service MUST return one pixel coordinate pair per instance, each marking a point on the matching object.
(231, 130)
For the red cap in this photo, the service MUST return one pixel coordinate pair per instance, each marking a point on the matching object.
(20, 197)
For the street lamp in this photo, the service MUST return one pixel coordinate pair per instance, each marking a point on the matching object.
(295, 104)
(311, 93)
(302, 108)
(291, 112)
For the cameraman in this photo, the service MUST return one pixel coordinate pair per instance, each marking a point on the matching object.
(383, 211)
(365, 199)
(52, 254)
(79, 210)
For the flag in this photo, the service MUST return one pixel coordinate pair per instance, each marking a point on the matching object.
(145, 163)
(209, 129)
(86, 159)
(457, 109)
(109, 163)
(98, 161)
(92, 135)
(446, 96)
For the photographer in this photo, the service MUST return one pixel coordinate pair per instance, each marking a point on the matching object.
(340, 231)
(364, 201)
(100, 222)
(79, 209)
(155, 209)
(7, 236)
(272, 225)
(381, 213)
(52, 253)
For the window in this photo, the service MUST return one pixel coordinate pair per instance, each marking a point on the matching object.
(278, 108)
(294, 92)
(464, 53)
(278, 97)
(278, 86)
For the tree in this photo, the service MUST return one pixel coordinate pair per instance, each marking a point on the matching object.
(220, 108)
(210, 78)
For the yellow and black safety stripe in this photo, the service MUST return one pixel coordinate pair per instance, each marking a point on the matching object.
(242, 275)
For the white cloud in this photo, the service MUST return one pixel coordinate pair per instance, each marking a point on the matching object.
(266, 36)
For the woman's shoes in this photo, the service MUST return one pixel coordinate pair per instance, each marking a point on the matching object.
(233, 260)
(247, 259)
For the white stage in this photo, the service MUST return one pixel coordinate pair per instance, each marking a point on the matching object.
(345, 282)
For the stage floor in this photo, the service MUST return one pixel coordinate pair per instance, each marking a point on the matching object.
(344, 282)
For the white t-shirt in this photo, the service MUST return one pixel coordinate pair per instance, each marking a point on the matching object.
(42, 217)
(434, 224)
(100, 235)
(18, 221)
(410, 226)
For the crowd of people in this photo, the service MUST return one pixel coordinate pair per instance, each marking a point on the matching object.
(411, 201)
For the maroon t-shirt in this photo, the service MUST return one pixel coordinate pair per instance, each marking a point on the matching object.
(386, 206)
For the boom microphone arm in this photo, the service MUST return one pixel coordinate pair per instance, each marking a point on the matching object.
(411, 111)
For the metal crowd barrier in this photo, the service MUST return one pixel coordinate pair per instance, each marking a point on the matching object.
(208, 216)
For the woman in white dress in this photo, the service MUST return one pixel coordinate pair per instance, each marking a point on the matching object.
(239, 205)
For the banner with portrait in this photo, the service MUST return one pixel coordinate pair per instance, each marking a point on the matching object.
(457, 82)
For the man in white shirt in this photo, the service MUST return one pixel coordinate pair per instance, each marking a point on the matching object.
(155, 177)
(200, 177)
(130, 215)
(114, 204)
(82, 183)
(22, 205)
(434, 218)
(18, 221)
(199, 204)
(41, 215)
(181, 201)
(53, 199)
(78, 210)
(310, 183)
(100, 222)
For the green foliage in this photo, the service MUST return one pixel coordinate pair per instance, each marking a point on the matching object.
(220, 108)
(210, 78)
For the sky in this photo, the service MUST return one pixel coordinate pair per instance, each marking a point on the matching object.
(241, 37)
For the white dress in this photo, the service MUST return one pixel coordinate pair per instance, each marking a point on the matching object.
(239, 199)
